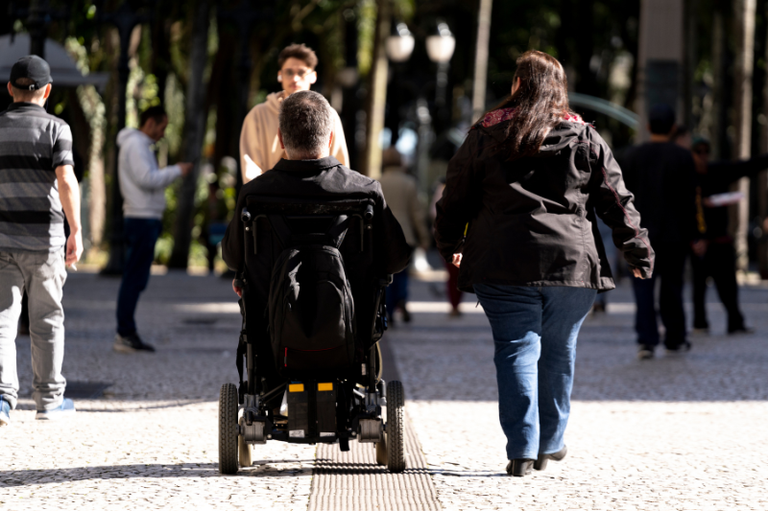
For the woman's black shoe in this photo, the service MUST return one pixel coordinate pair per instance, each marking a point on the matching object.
(541, 462)
(519, 467)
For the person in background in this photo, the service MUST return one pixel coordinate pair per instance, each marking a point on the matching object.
(718, 260)
(215, 220)
(452, 284)
(38, 162)
(529, 180)
(601, 300)
(662, 177)
(260, 149)
(682, 137)
(402, 195)
(142, 184)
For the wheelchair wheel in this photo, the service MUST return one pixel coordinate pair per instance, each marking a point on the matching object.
(228, 429)
(395, 437)
(381, 451)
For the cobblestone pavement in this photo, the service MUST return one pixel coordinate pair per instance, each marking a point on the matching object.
(151, 442)
(670, 433)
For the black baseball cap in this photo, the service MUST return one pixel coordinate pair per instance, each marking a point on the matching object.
(33, 68)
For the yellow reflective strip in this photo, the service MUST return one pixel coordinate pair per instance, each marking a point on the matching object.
(296, 387)
(324, 386)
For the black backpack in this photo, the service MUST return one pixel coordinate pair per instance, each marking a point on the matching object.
(311, 309)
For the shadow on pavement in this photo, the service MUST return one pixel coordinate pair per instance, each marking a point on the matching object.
(13, 478)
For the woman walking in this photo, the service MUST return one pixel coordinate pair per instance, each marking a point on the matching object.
(529, 179)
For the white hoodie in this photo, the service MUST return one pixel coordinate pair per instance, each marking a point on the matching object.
(142, 183)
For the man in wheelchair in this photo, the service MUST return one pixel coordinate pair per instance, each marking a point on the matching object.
(314, 245)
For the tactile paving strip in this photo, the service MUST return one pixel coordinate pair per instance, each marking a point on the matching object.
(352, 481)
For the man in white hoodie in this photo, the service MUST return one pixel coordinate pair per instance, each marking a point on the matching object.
(142, 185)
(260, 149)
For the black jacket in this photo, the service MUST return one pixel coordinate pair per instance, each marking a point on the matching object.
(662, 178)
(532, 220)
(322, 180)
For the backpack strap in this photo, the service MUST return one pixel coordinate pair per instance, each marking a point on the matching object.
(338, 231)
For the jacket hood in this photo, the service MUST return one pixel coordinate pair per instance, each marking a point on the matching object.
(558, 138)
(274, 102)
(563, 135)
(124, 134)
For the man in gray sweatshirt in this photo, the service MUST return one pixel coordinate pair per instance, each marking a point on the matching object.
(142, 185)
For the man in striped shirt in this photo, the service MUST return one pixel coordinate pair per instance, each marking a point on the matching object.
(38, 189)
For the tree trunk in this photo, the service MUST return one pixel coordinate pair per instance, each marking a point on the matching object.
(220, 98)
(745, 34)
(660, 54)
(586, 80)
(481, 59)
(762, 179)
(378, 91)
(161, 53)
(194, 132)
(90, 111)
(717, 121)
(689, 62)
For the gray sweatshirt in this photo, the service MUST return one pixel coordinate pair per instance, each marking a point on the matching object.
(142, 183)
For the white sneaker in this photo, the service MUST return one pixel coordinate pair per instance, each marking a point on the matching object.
(65, 409)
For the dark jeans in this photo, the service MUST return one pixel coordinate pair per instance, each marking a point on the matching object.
(719, 262)
(670, 264)
(397, 291)
(140, 237)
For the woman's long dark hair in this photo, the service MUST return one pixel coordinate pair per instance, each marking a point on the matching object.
(540, 103)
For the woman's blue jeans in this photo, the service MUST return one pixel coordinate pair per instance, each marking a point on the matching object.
(534, 333)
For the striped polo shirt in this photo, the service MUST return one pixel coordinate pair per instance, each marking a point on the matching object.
(32, 144)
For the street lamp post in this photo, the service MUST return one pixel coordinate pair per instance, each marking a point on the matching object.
(36, 25)
(399, 47)
(400, 44)
(440, 48)
(38, 15)
(125, 20)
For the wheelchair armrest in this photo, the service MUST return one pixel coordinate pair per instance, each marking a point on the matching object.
(385, 281)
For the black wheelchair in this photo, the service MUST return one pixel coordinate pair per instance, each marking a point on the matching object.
(317, 401)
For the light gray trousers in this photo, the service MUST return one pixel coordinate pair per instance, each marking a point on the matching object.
(42, 274)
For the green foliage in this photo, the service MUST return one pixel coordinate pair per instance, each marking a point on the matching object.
(164, 248)
(583, 35)
(366, 27)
